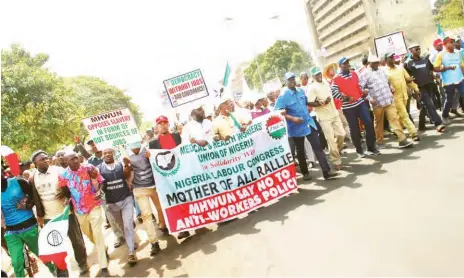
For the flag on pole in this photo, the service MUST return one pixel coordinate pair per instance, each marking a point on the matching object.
(52, 247)
(12, 158)
(225, 80)
(440, 32)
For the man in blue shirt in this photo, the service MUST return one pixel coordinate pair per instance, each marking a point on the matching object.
(301, 125)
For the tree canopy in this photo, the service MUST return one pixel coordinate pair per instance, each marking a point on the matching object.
(449, 13)
(41, 110)
(281, 57)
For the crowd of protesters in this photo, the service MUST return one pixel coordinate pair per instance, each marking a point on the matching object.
(325, 109)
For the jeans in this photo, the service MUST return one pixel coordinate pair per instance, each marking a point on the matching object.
(77, 240)
(16, 242)
(123, 214)
(313, 139)
(450, 92)
(116, 229)
(352, 115)
(426, 92)
(322, 139)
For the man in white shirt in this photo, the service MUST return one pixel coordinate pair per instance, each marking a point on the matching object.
(320, 98)
(198, 130)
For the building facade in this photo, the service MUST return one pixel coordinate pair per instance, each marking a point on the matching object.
(348, 27)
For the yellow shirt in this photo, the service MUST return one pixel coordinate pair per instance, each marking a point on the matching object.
(321, 91)
(224, 125)
(47, 187)
(397, 77)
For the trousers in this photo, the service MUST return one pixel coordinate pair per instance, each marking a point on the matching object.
(313, 139)
(450, 92)
(16, 241)
(352, 115)
(401, 101)
(123, 215)
(77, 240)
(392, 116)
(335, 136)
(92, 227)
(427, 106)
(143, 197)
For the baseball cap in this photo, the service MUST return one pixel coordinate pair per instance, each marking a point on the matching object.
(162, 119)
(36, 153)
(388, 54)
(414, 45)
(343, 60)
(289, 75)
(437, 42)
(448, 39)
(315, 70)
(373, 59)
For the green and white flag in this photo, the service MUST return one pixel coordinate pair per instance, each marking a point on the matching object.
(52, 247)
(225, 80)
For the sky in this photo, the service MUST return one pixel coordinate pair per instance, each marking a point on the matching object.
(135, 45)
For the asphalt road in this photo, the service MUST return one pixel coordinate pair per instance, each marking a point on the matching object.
(399, 214)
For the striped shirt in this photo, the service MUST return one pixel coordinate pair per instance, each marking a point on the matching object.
(348, 80)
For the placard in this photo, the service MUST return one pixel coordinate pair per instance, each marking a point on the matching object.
(186, 88)
(112, 129)
(393, 42)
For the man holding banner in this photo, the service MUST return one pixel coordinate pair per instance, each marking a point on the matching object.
(166, 141)
(44, 183)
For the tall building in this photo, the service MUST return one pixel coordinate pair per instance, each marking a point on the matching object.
(348, 27)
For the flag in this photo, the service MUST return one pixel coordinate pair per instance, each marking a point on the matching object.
(225, 80)
(12, 158)
(52, 247)
(440, 32)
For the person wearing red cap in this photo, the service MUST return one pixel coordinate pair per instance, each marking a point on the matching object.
(450, 64)
(166, 141)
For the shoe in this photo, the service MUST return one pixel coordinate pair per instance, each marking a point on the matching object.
(183, 235)
(83, 269)
(155, 249)
(104, 272)
(441, 128)
(119, 242)
(381, 146)
(140, 219)
(307, 177)
(405, 143)
(455, 112)
(329, 175)
(362, 155)
(338, 167)
(165, 231)
(373, 152)
(416, 138)
(132, 260)
(62, 273)
(446, 121)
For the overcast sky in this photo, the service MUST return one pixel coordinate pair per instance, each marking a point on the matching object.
(135, 45)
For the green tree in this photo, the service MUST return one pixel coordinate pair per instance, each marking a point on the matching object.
(281, 57)
(94, 96)
(37, 109)
(449, 13)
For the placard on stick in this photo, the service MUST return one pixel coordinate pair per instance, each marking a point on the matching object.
(186, 88)
(112, 129)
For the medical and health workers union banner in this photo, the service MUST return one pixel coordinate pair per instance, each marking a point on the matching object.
(198, 185)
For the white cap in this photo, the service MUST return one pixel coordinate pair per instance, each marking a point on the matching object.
(373, 59)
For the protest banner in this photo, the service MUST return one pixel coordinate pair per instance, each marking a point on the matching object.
(186, 88)
(112, 129)
(393, 42)
(198, 186)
